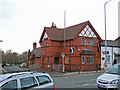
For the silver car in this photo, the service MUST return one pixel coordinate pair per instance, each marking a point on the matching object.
(110, 79)
(26, 80)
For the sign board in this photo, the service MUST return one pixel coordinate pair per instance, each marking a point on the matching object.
(62, 55)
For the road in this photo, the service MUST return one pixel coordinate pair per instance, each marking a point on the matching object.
(8, 69)
(77, 81)
(70, 81)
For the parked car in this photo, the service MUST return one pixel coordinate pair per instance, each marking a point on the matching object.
(7, 64)
(26, 80)
(22, 65)
(110, 79)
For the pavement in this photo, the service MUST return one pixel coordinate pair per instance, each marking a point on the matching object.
(76, 73)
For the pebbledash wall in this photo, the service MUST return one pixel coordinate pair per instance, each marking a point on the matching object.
(82, 51)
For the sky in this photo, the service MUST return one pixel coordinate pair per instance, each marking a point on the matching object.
(22, 21)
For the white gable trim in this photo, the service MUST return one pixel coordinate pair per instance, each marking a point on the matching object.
(45, 36)
(87, 32)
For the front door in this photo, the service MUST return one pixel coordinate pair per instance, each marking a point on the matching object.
(56, 60)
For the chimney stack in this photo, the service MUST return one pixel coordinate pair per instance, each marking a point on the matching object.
(53, 25)
(34, 45)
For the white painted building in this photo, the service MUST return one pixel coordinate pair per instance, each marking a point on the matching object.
(113, 48)
(119, 18)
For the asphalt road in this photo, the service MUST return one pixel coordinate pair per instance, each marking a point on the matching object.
(70, 81)
(77, 81)
(8, 69)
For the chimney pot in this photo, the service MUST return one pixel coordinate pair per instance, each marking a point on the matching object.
(53, 25)
(34, 45)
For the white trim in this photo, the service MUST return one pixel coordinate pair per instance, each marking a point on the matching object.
(82, 60)
(87, 32)
(45, 36)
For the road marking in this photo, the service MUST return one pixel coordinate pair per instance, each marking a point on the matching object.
(4, 70)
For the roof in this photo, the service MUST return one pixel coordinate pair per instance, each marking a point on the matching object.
(71, 32)
(111, 43)
(118, 39)
(36, 52)
(87, 51)
(5, 76)
(10, 75)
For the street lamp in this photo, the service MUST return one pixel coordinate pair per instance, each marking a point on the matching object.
(105, 33)
(1, 60)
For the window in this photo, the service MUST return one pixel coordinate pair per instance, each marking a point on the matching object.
(104, 52)
(90, 42)
(28, 82)
(103, 58)
(34, 60)
(10, 85)
(87, 59)
(71, 50)
(87, 41)
(43, 80)
(83, 59)
(99, 47)
(48, 59)
(90, 60)
(46, 42)
(82, 41)
(108, 58)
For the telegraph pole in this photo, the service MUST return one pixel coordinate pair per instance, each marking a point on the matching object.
(105, 33)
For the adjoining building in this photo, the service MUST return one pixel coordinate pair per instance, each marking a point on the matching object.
(119, 19)
(113, 54)
(80, 43)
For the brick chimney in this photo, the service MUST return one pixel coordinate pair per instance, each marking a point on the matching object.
(53, 25)
(34, 45)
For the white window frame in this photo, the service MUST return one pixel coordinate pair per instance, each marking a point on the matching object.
(83, 61)
(71, 50)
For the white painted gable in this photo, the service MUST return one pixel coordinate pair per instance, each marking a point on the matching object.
(87, 32)
(45, 36)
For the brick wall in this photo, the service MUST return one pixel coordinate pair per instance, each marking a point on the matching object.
(55, 48)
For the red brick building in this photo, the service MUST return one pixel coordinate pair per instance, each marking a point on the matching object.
(80, 43)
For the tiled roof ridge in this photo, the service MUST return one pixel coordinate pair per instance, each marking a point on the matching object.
(67, 27)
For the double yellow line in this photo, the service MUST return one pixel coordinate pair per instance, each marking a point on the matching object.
(4, 70)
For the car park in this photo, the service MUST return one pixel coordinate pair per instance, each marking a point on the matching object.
(26, 80)
(110, 79)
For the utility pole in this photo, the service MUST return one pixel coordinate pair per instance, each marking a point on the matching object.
(1, 59)
(64, 26)
(105, 33)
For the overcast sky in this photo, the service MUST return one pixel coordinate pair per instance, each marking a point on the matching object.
(22, 21)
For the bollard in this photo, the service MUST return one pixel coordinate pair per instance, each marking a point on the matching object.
(79, 69)
(96, 67)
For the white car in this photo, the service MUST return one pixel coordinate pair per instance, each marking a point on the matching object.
(26, 80)
(110, 79)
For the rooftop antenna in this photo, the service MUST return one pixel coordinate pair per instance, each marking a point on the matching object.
(64, 26)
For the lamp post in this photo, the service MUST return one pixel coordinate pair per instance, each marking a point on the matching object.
(1, 60)
(105, 33)
(63, 61)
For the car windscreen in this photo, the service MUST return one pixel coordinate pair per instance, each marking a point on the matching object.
(114, 70)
